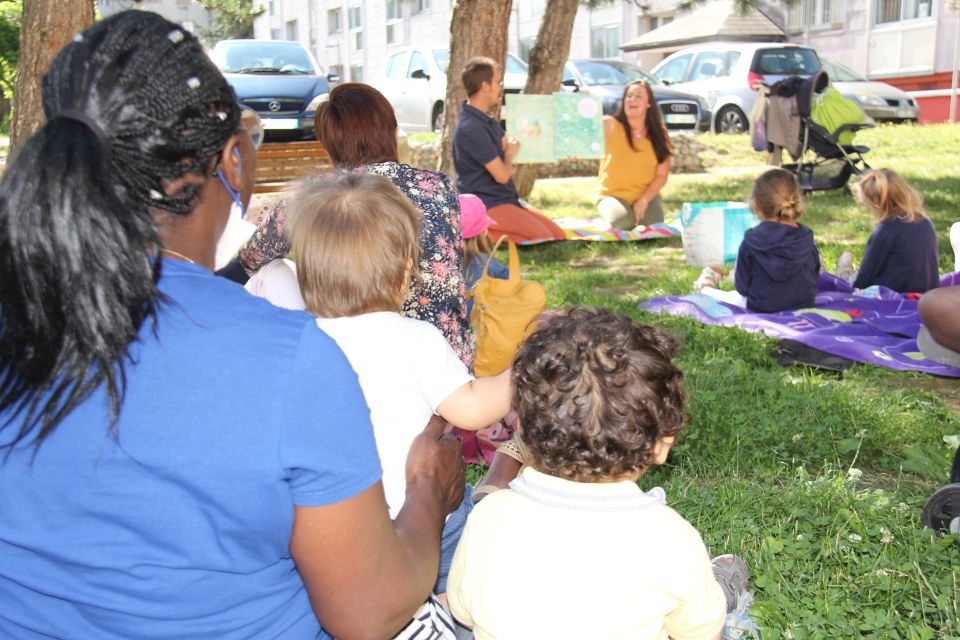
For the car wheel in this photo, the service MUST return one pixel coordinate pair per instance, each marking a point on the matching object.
(731, 120)
(437, 120)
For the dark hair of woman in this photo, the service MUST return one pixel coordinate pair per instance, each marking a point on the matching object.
(357, 126)
(136, 114)
(656, 130)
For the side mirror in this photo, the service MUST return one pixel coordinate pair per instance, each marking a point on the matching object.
(665, 81)
(333, 78)
(569, 84)
(420, 74)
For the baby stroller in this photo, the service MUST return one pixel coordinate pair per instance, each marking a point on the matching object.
(808, 116)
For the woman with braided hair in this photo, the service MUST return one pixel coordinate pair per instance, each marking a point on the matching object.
(143, 492)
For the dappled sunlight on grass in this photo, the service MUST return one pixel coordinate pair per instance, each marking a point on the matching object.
(817, 479)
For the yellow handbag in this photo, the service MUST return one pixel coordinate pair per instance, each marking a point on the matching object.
(504, 313)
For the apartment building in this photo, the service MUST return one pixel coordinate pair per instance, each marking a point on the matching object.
(189, 14)
(354, 37)
(909, 43)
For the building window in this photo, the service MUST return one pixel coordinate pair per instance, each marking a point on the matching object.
(419, 6)
(292, 31)
(272, 8)
(898, 10)
(649, 23)
(355, 22)
(526, 46)
(394, 23)
(816, 14)
(356, 18)
(334, 21)
(605, 41)
(356, 73)
(275, 33)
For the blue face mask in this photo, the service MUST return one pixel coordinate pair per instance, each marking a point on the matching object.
(238, 203)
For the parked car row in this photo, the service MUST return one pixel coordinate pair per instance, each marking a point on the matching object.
(727, 76)
(414, 80)
(712, 86)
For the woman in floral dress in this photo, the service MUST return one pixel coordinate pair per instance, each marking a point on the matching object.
(359, 129)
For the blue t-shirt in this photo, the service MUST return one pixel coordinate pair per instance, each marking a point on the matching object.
(235, 412)
(477, 140)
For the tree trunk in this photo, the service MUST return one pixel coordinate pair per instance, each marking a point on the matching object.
(477, 28)
(46, 27)
(545, 71)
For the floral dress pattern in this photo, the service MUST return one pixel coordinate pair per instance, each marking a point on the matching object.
(439, 295)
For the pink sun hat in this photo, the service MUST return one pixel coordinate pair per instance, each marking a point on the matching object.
(473, 216)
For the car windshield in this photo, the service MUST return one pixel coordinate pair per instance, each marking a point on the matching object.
(787, 61)
(442, 56)
(840, 73)
(257, 56)
(597, 73)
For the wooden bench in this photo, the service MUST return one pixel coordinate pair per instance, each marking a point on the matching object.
(280, 163)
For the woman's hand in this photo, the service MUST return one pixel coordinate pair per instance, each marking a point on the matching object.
(436, 457)
(639, 209)
(366, 575)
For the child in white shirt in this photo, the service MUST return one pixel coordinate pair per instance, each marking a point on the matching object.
(356, 240)
(574, 548)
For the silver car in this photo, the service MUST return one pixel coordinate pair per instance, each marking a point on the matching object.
(414, 81)
(727, 75)
(879, 100)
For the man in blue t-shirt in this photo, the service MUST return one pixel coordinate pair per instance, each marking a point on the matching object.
(483, 157)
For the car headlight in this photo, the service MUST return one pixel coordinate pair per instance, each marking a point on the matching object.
(870, 99)
(317, 101)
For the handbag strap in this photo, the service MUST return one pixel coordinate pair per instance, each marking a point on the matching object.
(514, 258)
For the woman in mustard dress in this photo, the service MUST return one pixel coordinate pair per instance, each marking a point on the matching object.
(636, 162)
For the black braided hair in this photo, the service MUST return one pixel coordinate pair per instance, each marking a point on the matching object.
(77, 280)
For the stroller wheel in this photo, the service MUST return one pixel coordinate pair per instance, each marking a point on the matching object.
(942, 511)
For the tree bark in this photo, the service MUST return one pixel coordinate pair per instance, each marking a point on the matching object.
(545, 71)
(47, 26)
(477, 28)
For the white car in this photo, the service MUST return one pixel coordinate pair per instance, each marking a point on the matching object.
(879, 100)
(727, 75)
(414, 81)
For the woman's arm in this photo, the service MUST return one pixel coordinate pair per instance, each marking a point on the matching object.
(652, 190)
(366, 575)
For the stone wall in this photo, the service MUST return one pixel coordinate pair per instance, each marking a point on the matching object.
(687, 151)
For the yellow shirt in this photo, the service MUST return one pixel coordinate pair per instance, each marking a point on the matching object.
(625, 173)
(551, 558)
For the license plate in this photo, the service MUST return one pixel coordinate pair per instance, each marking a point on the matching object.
(904, 113)
(281, 123)
(680, 118)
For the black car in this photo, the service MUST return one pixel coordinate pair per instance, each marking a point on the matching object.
(280, 80)
(606, 79)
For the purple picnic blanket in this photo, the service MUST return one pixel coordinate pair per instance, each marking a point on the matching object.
(876, 325)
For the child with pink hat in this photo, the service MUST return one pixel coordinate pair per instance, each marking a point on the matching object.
(476, 244)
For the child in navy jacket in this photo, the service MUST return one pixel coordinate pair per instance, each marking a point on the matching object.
(902, 251)
(778, 264)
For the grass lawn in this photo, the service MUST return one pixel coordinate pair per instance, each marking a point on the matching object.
(816, 479)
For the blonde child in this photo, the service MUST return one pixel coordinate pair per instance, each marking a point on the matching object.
(477, 247)
(778, 264)
(356, 238)
(902, 251)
